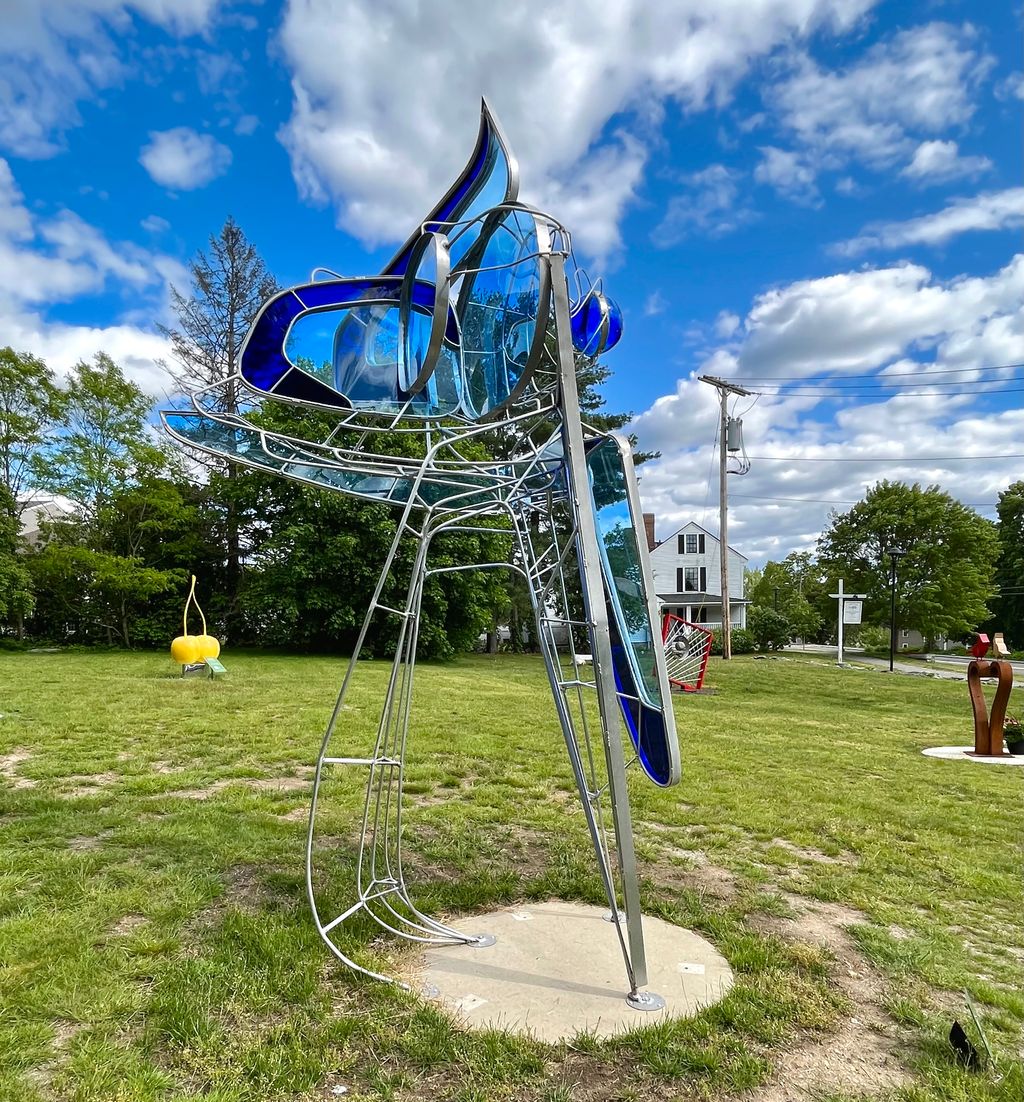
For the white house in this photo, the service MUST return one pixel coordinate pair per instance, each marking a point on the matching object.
(687, 575)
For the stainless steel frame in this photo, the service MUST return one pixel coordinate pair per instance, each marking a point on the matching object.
(543, 495)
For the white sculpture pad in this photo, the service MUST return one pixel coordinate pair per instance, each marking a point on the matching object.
(556, 970)
(966, 753)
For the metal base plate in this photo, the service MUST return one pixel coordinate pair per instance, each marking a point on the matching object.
(645, 1000)
(482, 941)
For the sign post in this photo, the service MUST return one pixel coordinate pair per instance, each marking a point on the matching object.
(851, 606)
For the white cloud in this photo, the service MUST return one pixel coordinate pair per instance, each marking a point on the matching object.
(655, 304)
(726, 324)
(247, 125)
(788, 173)
(56, 53)
(1012, 87)
(918, 83)
(935, 162)
(382, 140)
(710, 204)
(994, 210)
(153, 223)
(864, 321)
(59, 259)
(183, 159)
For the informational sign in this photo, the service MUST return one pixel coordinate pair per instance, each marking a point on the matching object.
(852, 611)
(215, 666)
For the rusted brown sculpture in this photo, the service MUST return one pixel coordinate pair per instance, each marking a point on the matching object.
(988, 728)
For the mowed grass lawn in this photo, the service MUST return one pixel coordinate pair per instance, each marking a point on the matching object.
(155, 941)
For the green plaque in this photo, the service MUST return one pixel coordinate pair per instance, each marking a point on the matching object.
(215, 667)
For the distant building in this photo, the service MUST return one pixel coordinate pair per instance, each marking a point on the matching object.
(688, 579)
(38, 513)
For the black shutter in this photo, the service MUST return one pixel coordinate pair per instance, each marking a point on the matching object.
(680, 579)
(680, 545)
(700, 543)
(703, 579)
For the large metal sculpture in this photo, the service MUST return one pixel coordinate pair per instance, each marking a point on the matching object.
(468, 344)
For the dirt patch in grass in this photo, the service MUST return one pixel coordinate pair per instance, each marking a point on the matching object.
(257, 784)
(128, 924)
(296, 815)
(87, 784)
(807, 853)
(9, 769)
(864, 1052)
(697, 874)
(85, 842)
(41, 1077)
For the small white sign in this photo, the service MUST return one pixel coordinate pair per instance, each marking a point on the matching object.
(852, 611)
(469, 1002)
(522, 916)
(689, 969)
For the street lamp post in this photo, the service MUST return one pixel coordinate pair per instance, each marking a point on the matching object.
(895, 554)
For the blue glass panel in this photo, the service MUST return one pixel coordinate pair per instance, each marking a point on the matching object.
(490, 178)
(614, 324)
(497, 308)
(588, 322)
(246, 446)
(646, 725)
(634, 634)
(294, 351)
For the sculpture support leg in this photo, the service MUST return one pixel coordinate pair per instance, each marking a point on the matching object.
(597, 615)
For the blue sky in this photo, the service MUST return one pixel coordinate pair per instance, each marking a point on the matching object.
(821, 190)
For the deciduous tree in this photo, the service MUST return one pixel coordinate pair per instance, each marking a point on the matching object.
(103, 441)
(1009, 606)
(31, 405)
(946, 577)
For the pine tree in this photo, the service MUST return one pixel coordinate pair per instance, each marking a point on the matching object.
(229, 285)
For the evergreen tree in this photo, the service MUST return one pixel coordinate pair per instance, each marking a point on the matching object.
(229, 284)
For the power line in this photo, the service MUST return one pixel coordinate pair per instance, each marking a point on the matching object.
(850, 392)
(880, 375)
(882, 458)
(847, 501)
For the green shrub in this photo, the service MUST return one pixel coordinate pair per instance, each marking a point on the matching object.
(770, 629)
(872, 637)
(742, 641)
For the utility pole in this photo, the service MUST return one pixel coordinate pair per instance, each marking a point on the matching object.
(724, 388)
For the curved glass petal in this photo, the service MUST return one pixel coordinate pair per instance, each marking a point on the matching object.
(490, 178)
(502, 294)
(292, 352)
(639, 666)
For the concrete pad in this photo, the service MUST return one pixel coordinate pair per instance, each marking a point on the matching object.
(966, 753)
(556, 969)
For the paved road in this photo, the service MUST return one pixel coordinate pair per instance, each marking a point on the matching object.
(912, 667)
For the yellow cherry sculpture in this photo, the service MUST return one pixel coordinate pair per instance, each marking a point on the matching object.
(187, 649)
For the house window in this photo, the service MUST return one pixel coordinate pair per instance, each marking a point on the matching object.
(906, 633)
(691, 579)
(691, 543)
(700, 615)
